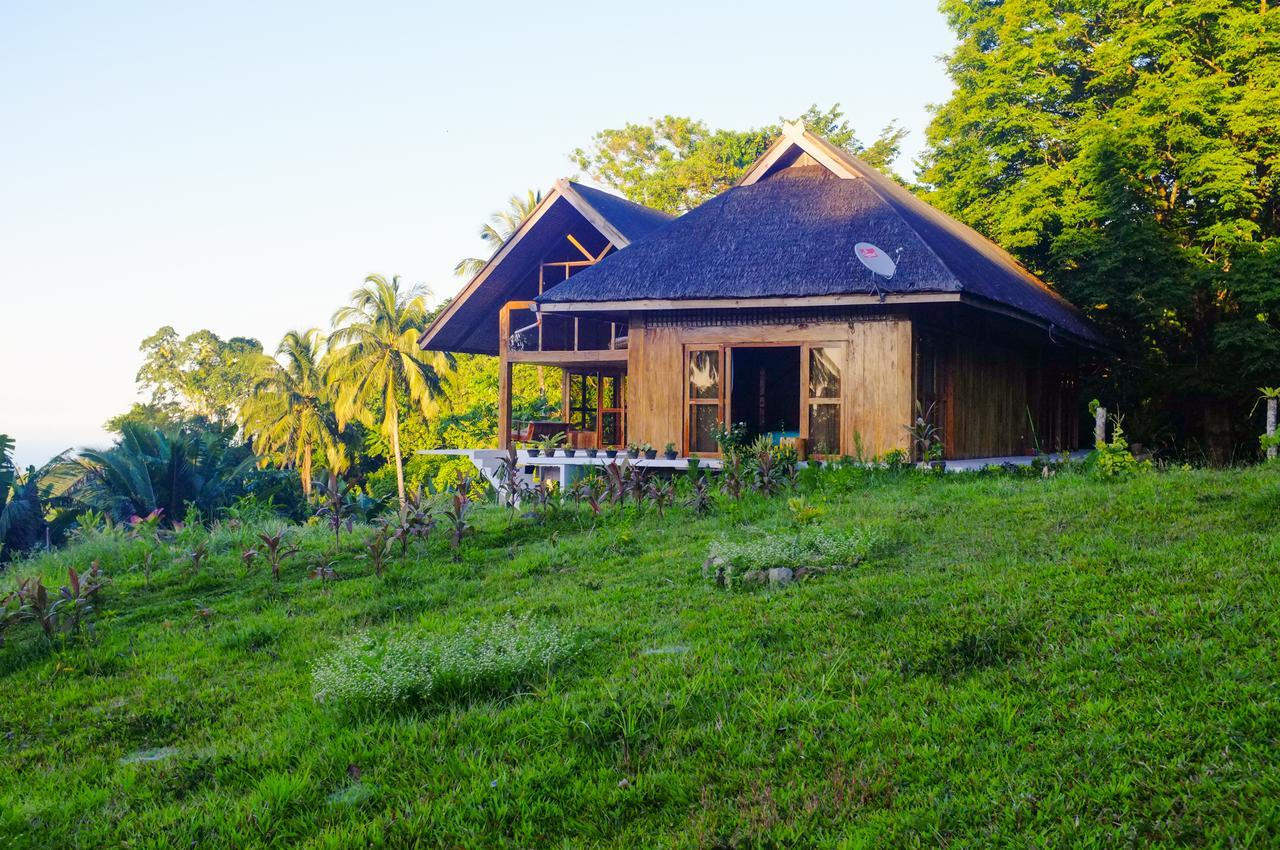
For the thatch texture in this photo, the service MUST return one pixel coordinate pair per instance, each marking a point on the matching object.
(792, 235)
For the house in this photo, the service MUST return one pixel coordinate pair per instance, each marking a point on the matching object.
(816, 300)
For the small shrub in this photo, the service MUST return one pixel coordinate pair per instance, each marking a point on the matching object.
(810, 547)
(1113, 459)
(378, 673)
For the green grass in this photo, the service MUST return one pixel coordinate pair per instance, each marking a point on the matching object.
(1017, 662)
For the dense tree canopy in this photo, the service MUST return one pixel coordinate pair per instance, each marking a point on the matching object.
(1127, 151)
(199, 374)
(675, 163)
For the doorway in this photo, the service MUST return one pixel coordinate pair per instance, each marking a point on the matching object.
(764, 390)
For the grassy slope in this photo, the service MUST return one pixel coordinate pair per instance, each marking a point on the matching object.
(1023, 662)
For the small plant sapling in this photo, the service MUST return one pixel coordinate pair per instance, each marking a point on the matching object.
(336, 509)
(457, 514)
(662, 492)
(699, 500)
(379, 546)
(277, 550)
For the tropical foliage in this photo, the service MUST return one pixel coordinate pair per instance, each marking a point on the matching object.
(675, 163)
(289, 419)
(167, 471)
(376, 359)
(498, 229)
(1129, 152)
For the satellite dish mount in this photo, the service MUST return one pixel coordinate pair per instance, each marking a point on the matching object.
(878, 262)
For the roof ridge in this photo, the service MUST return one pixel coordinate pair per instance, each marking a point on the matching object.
(874, 177)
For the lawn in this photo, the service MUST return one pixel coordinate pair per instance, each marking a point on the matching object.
(1026, 662)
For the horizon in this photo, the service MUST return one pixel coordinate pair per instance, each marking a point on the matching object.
(243, 169)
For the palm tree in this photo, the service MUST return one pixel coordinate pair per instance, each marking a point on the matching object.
(33, 504)
(499, 228)
(167, 469)
(289, 417)
(375, 358)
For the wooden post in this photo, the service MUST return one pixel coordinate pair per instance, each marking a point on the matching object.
(1100, 426)
(504, 379)
(1271, 426)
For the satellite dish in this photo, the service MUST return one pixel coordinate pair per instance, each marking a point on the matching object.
(875, 259)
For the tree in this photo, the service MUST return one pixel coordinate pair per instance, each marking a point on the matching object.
(32, 504)
(200, 374)
(375, 358)
(168, 469)
(499, 228)
(1127, 152)
(289, 418)
(675, 163)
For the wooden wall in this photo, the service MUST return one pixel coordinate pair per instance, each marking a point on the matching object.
(1000, 399)
(876, 386)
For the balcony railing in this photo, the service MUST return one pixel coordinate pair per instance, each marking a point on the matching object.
(528, 331)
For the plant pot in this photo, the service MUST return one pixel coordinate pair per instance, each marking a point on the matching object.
(633, 453)
(533, 452)
(669, 455)
(938, 465)
(651, 454)
(610, 452)
(592, 452)
(569, 452)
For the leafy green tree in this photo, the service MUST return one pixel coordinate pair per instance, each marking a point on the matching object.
(675, 163)
(375, 358)
(498, 229)
(199, 374)
(151, 469)
(289, 418)
(1127, 152)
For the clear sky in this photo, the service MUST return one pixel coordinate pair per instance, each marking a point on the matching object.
(242, 166)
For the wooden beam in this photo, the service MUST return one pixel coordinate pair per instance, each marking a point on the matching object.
(566, 358)
(738, 303)
(424, 340)
(505, 369)
(589, 212)
(578, 245)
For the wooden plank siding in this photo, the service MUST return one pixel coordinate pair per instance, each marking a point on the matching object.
(997, 400)
(876, 388)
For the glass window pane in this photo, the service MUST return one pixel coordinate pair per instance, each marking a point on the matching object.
(608, 391)
(824, 428)
(703, 419)
(610, 433)
(824, 372)
(704, 374)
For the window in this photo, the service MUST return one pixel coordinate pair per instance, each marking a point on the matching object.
(823, 394)
(704, 398)
(613, 405)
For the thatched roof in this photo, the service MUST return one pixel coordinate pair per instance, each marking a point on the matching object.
(790, 234)
(596, 219)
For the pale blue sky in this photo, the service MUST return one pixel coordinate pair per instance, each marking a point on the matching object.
(242, 166)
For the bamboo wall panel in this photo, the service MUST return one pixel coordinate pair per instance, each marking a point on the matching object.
(878, 390)
(654, 385)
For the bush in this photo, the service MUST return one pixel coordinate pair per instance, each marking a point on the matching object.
(810, 547)
(371, 672)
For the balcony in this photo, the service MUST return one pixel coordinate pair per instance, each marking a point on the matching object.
(527, 336)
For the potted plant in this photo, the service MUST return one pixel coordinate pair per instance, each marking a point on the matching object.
(633, 451)
(550, 442)
(669, 451)
(934, 456)
(569, 451)
(610, 453)
(533, 449)
(649, 451)
(592, 452)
